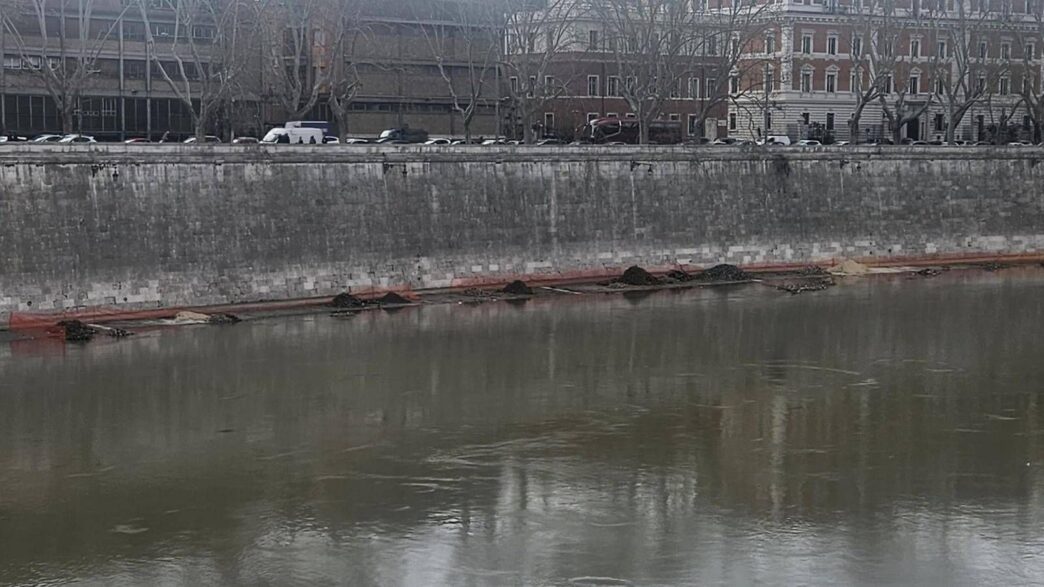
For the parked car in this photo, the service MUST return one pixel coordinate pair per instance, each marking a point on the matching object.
(775, 140)
(405, 134)
(206, 139)
(809, 143)
(356, 141)
(12, 139)
(70, 139)
(331, 140)
(46, 139)
(438, 142)
(549, 142)
(842, 143)
(1020, 144)
(245, 141)
(136, 141)
(494, 142)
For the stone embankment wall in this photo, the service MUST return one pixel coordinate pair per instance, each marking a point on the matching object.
(148, 226)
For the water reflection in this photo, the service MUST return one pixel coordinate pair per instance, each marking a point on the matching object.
(883, 431)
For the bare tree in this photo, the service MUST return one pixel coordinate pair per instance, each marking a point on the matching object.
(534, 39)
(296, 59)
(1028, 30)
(873, 51)
(464, 40)
(68, 70)
(205, 62)
(963, 76)
(658, 44)
(719, 46)
(344, 81)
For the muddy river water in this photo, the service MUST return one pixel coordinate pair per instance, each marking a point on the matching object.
(886, 431)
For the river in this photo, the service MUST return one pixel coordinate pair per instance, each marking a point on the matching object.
(885, 431)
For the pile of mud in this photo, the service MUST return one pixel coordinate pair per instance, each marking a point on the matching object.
(347, 300)
(76, 331)
(724, 272)
(393, 299)
(635, 275)
(518, 288)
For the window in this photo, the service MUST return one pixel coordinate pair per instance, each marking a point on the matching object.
(694, 125)
(915, 84)
(674, 117)
(629, 115)
(694, 87)
(549, 121)
(983, 50)
(832, 45)
(770, 81)
(549, 83)
(732, 121)
(981, 85)
(532, 86)
(806, 44)
(592, 116)
(854, 84)
(1005, 50)
(733, 84)
(710, 86)
(614, 86)
(592, 85)
(203, 32)
(915, 48)
(712, 45)
(886, 84)
(613, 115)
(1004, 87)
(857, 46)
(939, 124)
(12, 62)
(831, 82)
(592, 40)
(806, 119)
(940, 89)
(770, 44)
(941, 50)
(1030, 51)
(806, 81)
(768, 121)
(513, 83)
(830, 121)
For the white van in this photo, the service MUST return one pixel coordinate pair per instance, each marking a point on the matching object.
(294, 136)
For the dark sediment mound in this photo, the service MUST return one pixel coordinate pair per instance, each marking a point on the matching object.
(392, 299)
(76, 331)
(928, 272)
(799, 287)
(518, 288)
(223, 319)
(474, 292)
(635, 275)
(118, 332)
(812, 270)
(346, 300)
(724, 273)
(679, 276)
(994, 266)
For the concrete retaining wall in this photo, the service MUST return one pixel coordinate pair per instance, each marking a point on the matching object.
(148, 226)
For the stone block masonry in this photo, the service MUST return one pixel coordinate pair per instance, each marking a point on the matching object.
(138, 227)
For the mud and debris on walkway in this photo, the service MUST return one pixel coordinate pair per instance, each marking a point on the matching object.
(634, 280)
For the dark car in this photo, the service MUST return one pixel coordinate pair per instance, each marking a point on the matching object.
(403, 135)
